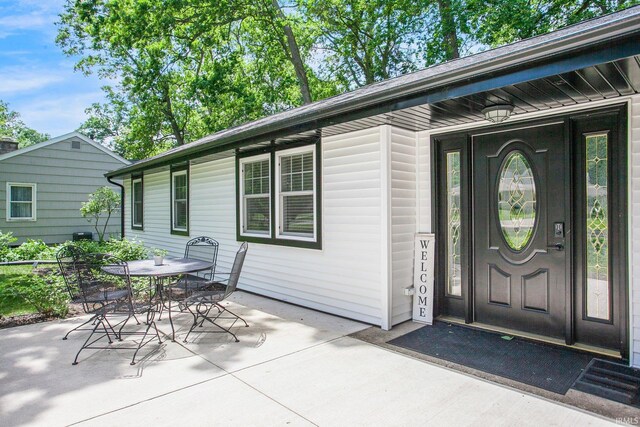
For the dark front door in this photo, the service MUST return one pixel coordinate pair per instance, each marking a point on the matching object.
(521, 214)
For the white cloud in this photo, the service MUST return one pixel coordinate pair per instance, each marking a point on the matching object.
(28, 15)
(15, 80)
(57, 114)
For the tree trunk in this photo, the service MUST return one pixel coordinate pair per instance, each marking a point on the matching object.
(175, 128)
(449, 29)
(294, 55)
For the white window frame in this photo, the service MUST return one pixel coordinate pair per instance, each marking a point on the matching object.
(34, 192)
(173, 200)
(279, 195)
(134, 181)
(243, 162)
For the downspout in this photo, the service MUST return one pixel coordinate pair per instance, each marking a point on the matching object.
(121, 206)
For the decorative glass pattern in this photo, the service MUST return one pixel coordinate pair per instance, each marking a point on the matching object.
(517, 201)
(597, 237)
(454, 282)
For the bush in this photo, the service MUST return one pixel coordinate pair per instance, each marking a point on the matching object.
(33, 250)
(5, 240)
(126, 250)
(49, 297)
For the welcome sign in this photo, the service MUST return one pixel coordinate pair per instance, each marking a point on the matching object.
(423, 278)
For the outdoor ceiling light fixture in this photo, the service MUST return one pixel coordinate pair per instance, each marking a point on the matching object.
(497, 113)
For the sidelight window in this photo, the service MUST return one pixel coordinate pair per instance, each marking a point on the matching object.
(597, 227)
(454, 270)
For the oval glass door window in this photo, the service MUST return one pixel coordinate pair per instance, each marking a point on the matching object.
(517, 201)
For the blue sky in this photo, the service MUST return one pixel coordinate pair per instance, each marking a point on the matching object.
(36, 78)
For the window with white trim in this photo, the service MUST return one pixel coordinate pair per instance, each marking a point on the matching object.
(180, 201)
(255, 188)
(137, 207)
(278, 197)
(295, 190)
(21, 202)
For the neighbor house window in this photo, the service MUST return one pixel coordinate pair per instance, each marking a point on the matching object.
(295, 188)
(180, 201)
(255, 195)
(21, 202)
(137, 213)
(278, 197)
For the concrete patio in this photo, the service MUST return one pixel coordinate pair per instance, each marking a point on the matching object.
(292, 366)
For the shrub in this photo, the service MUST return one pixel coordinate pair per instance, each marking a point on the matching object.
(5, 240)
(48, 296)
(104, 201)
(126, 250)
(33, 250)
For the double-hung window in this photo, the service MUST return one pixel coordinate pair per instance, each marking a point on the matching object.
(278, 199)
(137, 207)
(180, 201)
(295, 186)
(21, 202)
(256, 196)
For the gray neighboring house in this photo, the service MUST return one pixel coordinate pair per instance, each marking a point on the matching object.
(43, 186)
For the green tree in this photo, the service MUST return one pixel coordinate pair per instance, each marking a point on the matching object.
(366, 41)
(184, 68)
(187, 68)
(497, 22)
(11, 125)
(104, 201)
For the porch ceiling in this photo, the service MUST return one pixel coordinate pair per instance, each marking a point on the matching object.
(594, 83)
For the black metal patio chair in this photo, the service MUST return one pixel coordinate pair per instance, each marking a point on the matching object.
(205, 249)
(87, 287)
(118, 313)
(201, 304)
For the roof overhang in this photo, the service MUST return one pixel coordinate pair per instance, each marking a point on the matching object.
(608, 39)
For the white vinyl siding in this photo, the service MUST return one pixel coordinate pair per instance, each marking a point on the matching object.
(424, 181)
(21, 201)
(403, 220)
(342, 278)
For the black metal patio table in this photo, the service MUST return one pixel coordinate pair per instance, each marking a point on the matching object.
(171, 267)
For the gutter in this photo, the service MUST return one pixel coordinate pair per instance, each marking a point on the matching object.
(615, 36)
(121, 205)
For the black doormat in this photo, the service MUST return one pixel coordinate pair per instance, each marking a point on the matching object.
(611, 380)
(545, 366)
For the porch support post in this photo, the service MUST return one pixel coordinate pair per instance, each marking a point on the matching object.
(385, 227)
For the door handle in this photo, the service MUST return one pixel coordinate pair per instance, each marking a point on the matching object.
(556, 246)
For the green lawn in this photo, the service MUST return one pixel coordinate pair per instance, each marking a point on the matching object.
(13, 306)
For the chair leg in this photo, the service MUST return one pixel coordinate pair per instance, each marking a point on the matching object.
(87, 343)
(246, 325)
(202, 314)
(142, 340)
(78, 327)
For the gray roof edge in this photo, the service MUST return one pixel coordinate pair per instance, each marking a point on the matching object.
(561, 41)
